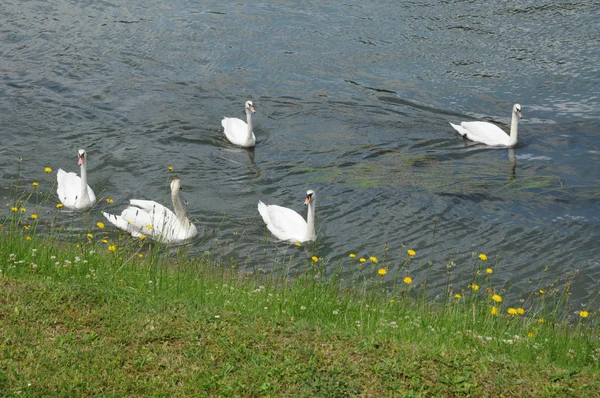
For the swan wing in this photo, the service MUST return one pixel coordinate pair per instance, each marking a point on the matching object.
(68, 187)
(483, 132)
(236, 131)
(160, 218)
(91, 195)
(122, 222)
(284, 223)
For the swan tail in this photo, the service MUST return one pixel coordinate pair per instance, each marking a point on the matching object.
(264, 212)
(461, 130)
(60, 174)
(117, 221)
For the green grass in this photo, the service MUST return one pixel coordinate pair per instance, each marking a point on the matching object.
(78, 319)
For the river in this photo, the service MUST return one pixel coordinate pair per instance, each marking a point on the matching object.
(353, 100)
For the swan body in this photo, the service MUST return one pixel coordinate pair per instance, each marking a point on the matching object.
(490, 134)
(73, 191)
(286, 224)
(149, 218)
(239, 132)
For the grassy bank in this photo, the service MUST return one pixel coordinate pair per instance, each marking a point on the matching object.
(117, 316)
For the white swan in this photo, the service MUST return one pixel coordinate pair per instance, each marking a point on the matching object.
(149, 218)
(286, 224)
(490, 134)
(74, 192)
(239, 132)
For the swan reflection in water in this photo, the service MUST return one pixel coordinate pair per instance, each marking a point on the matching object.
(512, 158)
(235, 152)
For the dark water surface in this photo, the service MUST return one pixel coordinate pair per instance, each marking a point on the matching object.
(353, 101)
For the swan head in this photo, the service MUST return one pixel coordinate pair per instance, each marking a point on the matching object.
(81, 157)
(310, 197)
(175, 185)
(250, 106)
(517, 110)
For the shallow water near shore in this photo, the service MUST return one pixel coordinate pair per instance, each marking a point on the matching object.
(353, 100)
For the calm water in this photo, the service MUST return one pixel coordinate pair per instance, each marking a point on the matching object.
(353, 101)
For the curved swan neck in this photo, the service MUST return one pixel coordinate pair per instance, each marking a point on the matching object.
(310, 221)
(514, 128)
(177, 206)
(249, 122)
(84, 191)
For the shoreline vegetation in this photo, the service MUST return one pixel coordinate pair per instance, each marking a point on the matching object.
(97, 312)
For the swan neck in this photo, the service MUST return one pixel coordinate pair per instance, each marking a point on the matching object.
(84, 191)
(514, 127)
(177, 206)
(249, 122)
(310, 221)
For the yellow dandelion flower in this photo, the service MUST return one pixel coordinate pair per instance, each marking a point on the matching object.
(489, 271)
(520, 311)
(298, 244)
(315, 259)
(26, 227)
(14, 209)
(109, 201)
(28, 238)
(497, 298)
(59, 205)
(482, 257)
(494, 311)
(382, 271)
(34, 216)
(140, 255)
(47, 169)
(170, 168)
(408, 280)
(475, 287)
(362, 260)
(148, 227)
(90, 236)
(411, 252)
(542, 291)
(100, 224)
(530, 335)
(112, 248)
(23, 210)
(541, 320)
(352, 255)
(512, 311)
(35, 184)
(457, 296)
(104, 240)
(373, 259)
(584, 314)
